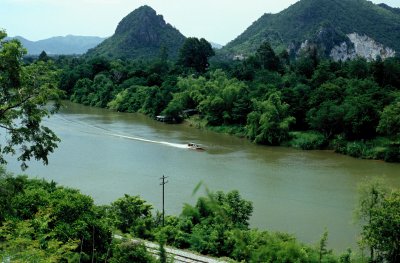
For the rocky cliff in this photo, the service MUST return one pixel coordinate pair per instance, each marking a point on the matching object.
(362, 46)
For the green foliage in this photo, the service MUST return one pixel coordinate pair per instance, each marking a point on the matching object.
(9, 187)
(383, 231)
(31, 241)
(266, 57)
(378, 212)
(389, 123)
(25, 92)
(132, 214)
(322, 246)
(307, 140)
(50, 223)
(270, 122)
(43, 56)
(130, 252)
(392, 153)
(63, 225)
(195, 54)
(377, 148)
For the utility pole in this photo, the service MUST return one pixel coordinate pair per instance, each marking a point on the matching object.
(163, 184)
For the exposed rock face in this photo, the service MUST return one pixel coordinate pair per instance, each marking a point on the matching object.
(343, 52)
(363, 46)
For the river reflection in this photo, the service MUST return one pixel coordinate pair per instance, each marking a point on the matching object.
(107, 154)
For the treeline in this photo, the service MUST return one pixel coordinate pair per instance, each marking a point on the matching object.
(352, 107)
(43, 222)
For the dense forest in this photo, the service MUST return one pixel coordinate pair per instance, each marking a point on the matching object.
(352, 107)
(43, 222)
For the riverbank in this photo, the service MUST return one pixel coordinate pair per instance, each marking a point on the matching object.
(380, 148)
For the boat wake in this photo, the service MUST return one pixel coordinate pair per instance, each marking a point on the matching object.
(176, 145)
(118, 135)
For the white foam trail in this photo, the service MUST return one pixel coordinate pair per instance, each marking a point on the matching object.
(176, 145)
(106, 132)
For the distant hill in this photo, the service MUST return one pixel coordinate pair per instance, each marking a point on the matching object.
(67, 45)
(216, 45)
(141, 34)
(393, 9)
(339, 28)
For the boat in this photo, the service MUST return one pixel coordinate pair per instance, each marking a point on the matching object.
(195, 146)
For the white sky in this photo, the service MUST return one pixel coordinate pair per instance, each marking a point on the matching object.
(218, 21)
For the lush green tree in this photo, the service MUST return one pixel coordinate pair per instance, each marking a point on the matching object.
(235, 207)
(82, 90)
(270, 121)
(132, 214)
(297, 97)
(195, 54)
(65, 216)
(387, 72)
(31, 241)
(382, 232)
(358, 68)
(24, 96)
(307, 62)
(43, 56)
(177, 105)
(323, 73)
(389, 123)
(371, 196)
(9, 187)
(266, 57)
(327, 118)
(360, 117)
(103, 88)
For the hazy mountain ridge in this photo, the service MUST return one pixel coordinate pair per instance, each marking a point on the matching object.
(141, 34)
(325, 23)
(61, 45)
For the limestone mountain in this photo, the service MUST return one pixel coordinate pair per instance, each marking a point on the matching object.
(141, 34)
(340, 29)
(61, 45)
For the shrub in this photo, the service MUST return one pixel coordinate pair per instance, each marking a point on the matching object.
(308, 140)
(392, 153)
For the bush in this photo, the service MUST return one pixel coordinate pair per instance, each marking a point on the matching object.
(339, 144)
(308, 140)
(357, 149)
(392, 153)
(129, 251)
(376, 149)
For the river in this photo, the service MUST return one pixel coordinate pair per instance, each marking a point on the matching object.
(106, 154)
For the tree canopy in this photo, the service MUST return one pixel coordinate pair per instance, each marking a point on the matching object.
(195, 54)
(25, 94)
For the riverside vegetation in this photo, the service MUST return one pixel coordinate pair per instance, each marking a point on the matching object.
(43, 222)
(352, 107)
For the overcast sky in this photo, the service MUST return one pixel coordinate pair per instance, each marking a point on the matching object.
(218, 21)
